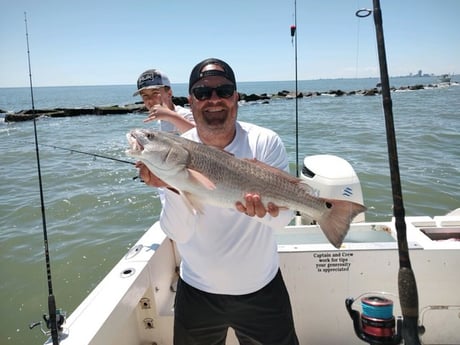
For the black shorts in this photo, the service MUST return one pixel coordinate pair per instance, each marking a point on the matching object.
(263, 317)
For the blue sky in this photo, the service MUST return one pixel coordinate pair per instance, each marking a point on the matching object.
(100, 42)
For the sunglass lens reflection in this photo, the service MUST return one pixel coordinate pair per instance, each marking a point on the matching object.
(204, 92)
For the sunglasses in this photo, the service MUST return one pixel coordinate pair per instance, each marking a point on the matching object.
(202, 93)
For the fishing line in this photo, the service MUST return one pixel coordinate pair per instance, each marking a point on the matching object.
(95, 155)
(52, 320)
(357, 46)
(89, 154)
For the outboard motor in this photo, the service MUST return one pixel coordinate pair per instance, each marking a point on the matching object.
(334, 178)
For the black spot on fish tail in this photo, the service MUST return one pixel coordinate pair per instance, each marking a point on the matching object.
(335, 221)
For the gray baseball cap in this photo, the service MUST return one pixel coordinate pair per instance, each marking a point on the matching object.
(151, 79)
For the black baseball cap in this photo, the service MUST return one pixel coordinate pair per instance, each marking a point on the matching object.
(197, 74)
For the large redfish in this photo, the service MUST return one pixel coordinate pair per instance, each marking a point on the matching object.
(204, 174)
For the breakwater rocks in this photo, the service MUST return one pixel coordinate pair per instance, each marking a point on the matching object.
(25, 115)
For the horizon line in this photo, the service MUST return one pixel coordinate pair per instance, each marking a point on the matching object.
(246, 81)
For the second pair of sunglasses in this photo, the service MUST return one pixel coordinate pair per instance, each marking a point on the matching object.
(202, 93)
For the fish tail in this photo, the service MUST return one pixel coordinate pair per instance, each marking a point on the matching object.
(335, 222)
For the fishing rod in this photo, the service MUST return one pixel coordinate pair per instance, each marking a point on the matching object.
(407, 287)
(55, 320)
(406, 279)
(294, 38)
(298, 219)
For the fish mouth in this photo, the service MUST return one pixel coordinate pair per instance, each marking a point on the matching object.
(135, 145)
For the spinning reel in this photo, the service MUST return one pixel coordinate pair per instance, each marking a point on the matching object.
(376, 324)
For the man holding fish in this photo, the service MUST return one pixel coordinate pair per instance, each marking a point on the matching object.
(229, 273)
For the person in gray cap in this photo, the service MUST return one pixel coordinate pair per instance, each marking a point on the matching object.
(155, 89)
(229, 274)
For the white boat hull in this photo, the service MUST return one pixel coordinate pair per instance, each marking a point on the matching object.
(134, 303)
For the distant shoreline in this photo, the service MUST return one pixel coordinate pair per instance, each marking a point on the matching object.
(243, 82)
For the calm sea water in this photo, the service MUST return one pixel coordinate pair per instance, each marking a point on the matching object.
(95, 211)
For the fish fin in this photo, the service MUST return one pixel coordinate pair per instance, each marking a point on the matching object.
(193, 205)
(304, 185)
(283, 173)
(266, 166)
(335, 222)
(174, 190)
(201, 179)
(229, 153)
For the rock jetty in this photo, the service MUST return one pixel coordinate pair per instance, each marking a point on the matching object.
(25, 115)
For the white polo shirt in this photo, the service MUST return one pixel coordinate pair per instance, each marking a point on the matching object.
(224, 251)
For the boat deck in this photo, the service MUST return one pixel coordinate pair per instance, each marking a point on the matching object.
(134, 303)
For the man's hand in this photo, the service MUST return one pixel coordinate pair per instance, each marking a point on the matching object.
(255, 207)
(148, 177)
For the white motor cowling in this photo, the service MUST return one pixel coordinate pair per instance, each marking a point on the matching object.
(334, 178)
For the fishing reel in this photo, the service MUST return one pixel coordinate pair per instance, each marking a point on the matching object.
(60, 319)
(376, 324)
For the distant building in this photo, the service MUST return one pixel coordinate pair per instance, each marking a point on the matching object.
(419, 74)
